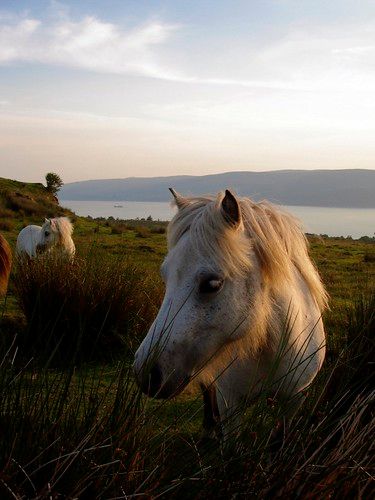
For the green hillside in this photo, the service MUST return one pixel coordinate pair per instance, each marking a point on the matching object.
(23, 203)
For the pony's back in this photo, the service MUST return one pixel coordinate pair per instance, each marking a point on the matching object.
(5, 264)
(28, 240)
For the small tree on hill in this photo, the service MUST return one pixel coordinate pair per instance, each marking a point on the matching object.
(54, 182)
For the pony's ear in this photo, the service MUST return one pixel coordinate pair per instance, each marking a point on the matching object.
(231, 209)
(180, 201)
(46, 220)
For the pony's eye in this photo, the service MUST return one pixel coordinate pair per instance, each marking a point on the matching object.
(211, 284)
(46, 233)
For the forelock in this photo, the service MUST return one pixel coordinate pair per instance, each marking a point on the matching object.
(211, 236)
(274, 236)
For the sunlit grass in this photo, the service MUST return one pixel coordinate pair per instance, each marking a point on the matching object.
(87, 432)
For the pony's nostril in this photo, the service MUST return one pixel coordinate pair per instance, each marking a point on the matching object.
(153, 381)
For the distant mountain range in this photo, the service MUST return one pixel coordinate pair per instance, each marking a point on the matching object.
(324, 188)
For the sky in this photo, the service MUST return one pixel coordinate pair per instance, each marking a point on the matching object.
(123, 88)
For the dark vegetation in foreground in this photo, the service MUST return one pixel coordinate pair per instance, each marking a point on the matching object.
(74, 425)
(88, 434)
(83, 430)
(82, 311)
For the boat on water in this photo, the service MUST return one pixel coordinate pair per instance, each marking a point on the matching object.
(118, 206)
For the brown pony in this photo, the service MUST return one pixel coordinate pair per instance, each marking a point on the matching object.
(5, 264)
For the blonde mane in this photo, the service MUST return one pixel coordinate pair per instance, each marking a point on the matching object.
(64, 228)
(276, 238)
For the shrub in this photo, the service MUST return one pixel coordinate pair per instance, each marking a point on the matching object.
(6, 212)
(367, 239)
(116, 230)
(158, 230)
(369, 257)
(146, 248)
(54, 182)
(89, 308)
(142, 232)
(25, 204)
(6, 225)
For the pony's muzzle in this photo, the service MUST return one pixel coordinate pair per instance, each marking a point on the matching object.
(151, 383)
(149, 378)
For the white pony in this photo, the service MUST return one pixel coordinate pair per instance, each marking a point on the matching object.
(242, 307)
(55, 234)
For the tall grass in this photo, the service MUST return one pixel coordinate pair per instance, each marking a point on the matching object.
(63, 436)
(355, 369)
(88, 433)
(86, 309)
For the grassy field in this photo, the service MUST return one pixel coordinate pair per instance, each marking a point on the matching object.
(347, 266)
(78, 428)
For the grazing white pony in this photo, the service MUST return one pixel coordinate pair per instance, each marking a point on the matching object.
(55, 234)
(242, 307)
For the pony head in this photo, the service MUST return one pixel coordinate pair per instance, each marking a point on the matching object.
(54, 232)
(226, 258)
(210, 274)
(49, 235)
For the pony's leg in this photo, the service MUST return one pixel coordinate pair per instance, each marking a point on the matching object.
(211, 416)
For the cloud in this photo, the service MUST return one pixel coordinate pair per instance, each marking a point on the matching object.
(312, 58)
(355, 50)
(88, 43)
